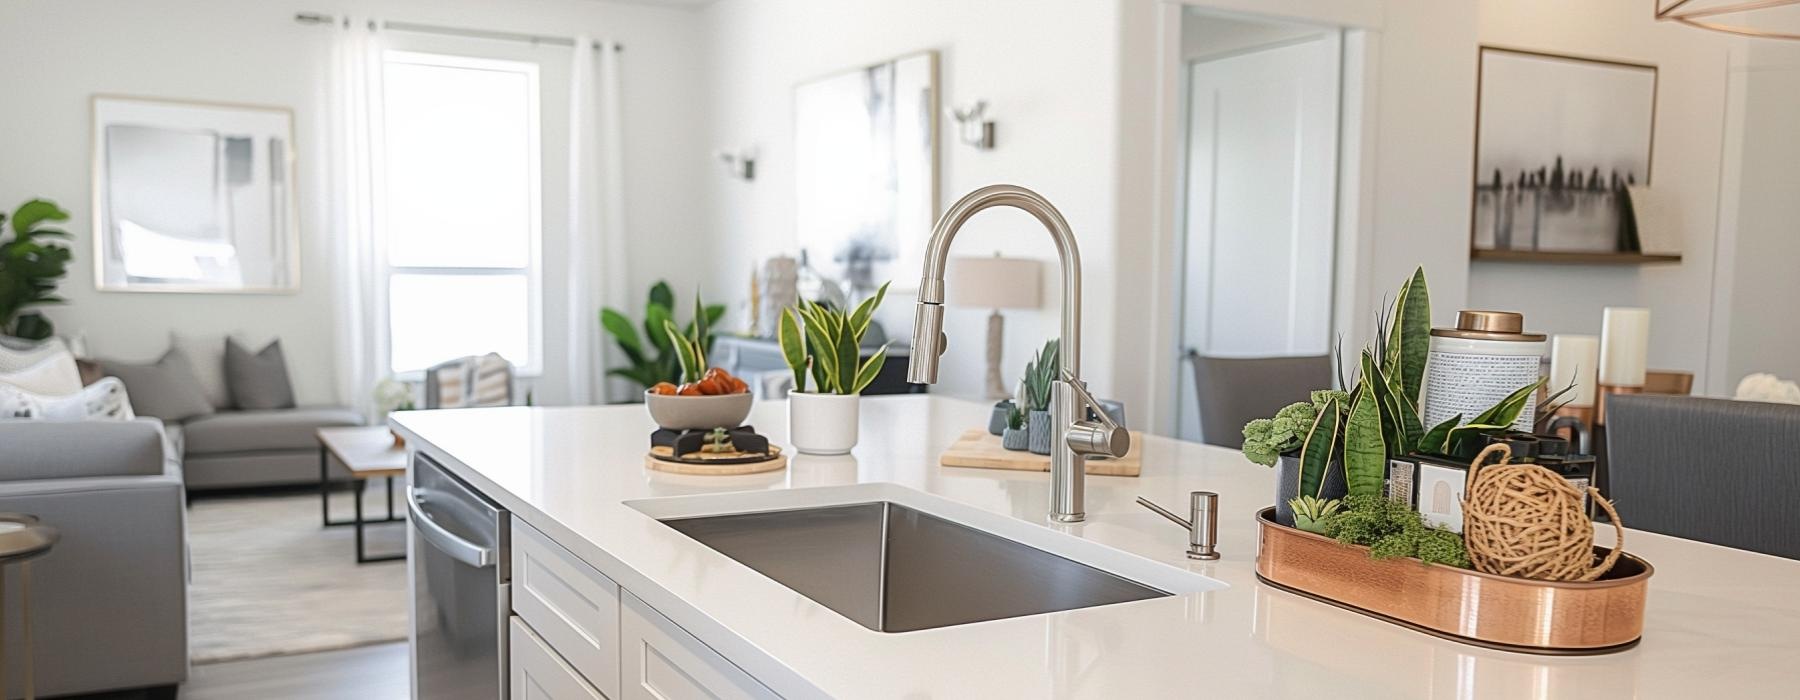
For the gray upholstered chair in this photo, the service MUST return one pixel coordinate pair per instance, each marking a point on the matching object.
(1712, 470)
(1233, 391)
(109, 602)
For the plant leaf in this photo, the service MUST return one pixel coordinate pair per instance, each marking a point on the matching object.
(27, 216)
(692, 364)
(865, 312)
(1435, 439)
(656, 317)
(1317, 449)
(624, 334)
(661, 295)
(1508, 409)
(1461, 442)
(869, 369)
(1409, 337)
(847, 352)
(793, 346)
(1365, 454)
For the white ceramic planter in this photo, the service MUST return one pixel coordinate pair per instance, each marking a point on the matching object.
(823, 424)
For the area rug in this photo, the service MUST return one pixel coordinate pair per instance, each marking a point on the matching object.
(268, 580)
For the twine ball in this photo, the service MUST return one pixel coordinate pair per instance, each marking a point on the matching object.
(1524, 520)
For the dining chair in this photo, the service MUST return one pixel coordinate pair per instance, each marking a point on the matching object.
(1233, 391)
(1713, 470)
(470, 382)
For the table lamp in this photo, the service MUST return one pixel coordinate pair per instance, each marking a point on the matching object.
(994, 283)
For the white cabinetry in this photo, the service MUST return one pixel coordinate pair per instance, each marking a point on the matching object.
(537, 673)
(663, 662)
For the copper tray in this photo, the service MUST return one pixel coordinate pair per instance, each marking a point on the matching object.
(1498, 612)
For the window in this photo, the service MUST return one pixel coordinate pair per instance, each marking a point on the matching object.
(461, 209)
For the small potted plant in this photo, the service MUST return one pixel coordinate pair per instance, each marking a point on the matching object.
(824, 343)
(1035, 394)
(708, 397)
(1015, 437)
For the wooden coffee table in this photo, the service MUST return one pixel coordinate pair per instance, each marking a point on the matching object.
(367, 452)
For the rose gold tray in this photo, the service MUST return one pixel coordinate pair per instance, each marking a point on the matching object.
(1498, 612)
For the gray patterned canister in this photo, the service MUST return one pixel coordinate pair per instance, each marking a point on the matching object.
(1471, 367)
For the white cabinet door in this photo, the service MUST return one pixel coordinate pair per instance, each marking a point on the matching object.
(663, 662)
(573, 607)
(537, 673)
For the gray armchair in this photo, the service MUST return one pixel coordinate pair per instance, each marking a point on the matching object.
(1233, 391)
(1707, 469)
(109, 602)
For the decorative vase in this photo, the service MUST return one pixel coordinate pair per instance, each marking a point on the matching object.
(823, 424)
(1287, 486)
(1038, 423)
(1015, 439)
(997, 419)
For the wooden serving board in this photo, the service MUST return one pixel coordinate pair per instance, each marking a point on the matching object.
(653, 461)
(980, 449)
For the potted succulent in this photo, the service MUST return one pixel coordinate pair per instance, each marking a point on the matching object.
(824, 343)
(1034, 397)
(1338, 442)
(1015, 436)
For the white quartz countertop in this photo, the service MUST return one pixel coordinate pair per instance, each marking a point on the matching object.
(1720, 622)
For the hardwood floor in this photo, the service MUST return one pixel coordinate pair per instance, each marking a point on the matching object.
(376, 672)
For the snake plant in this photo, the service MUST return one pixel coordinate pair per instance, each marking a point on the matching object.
(825, 343)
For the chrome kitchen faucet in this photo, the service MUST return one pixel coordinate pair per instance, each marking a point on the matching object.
(1072, 436)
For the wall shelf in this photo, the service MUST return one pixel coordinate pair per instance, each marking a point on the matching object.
(1540, 256)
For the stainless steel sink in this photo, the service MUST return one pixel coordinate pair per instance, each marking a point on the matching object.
(891, 568)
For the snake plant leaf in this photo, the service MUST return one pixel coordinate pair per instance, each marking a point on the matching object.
(699, 324)
(849, 347)
(865, 374)
(1464, 441)
(1317, 449)
(793, 346)
(1365, 454)
(1409, 336)
(624, 334)
(1508, 409)
(691, 366)
(865, 312)
(1436, 439)
(824, 353)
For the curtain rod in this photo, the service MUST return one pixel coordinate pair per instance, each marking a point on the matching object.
(318, 18)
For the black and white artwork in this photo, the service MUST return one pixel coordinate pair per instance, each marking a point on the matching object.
(1558, 140)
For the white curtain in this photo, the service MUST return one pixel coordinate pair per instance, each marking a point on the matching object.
(596, 262)
(355, 170)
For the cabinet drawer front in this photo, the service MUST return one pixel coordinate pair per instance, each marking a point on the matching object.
(537, 673)
(664, 662)
(573, 607)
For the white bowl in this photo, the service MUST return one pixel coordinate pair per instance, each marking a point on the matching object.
(698, 412)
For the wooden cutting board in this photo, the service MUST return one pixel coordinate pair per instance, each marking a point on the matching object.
(980, 449)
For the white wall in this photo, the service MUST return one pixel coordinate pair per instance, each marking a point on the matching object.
(56, 54)
(1759, 270)
(1049, 77)
(1688, 146)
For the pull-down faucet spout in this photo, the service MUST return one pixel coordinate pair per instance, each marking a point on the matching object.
(1073, 437)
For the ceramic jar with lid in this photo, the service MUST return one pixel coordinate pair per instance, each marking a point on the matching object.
(1471, 367)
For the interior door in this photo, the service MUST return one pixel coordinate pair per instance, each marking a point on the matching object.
(1259, 231)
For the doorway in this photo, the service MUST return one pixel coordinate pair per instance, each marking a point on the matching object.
(1259, 202)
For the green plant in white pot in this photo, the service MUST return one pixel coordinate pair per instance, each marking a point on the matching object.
(824, 344)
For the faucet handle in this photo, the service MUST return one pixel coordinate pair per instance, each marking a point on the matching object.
(1106, 437)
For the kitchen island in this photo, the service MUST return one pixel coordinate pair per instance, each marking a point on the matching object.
(1719, 622)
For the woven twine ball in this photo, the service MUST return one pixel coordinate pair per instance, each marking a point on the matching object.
(1524, 520)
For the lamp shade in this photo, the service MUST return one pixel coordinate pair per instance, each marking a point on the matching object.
(993, 283)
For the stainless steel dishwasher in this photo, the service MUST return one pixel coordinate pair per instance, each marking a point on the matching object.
(460, 575)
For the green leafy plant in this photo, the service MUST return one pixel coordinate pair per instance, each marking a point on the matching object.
(1378, 417)
(1039, 380)
(31, 265)
(652, 357)
(691, 345)
(1015, 418)
(825, 343)
(1310, 513)
(1392, 529)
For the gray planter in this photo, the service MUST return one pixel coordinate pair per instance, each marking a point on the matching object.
(1038, 423)
(1015, 439)
(997, 419)
(1287, 486)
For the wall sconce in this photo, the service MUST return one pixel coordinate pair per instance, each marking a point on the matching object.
(741, 165)
(971, 128)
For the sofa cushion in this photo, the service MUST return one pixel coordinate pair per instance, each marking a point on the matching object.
(104, 400)
(69, 449)
(53, 374)
(206, 354)
(257, 380)
(252, 431)
(165, 389)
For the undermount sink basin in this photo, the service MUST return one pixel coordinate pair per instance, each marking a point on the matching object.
(895, 568)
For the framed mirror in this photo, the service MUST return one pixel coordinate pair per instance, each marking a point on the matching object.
(867, 167)
(193, 197)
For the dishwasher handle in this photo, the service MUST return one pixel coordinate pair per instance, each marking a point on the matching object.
(444, 540)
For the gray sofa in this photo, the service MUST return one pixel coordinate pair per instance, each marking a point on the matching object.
(240, 449)
(109, 601)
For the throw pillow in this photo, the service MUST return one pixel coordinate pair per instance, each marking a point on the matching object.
(105, 400)
(260, 380)
(54, 374)
(206, 354)
(16, 355)
(165, 389)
